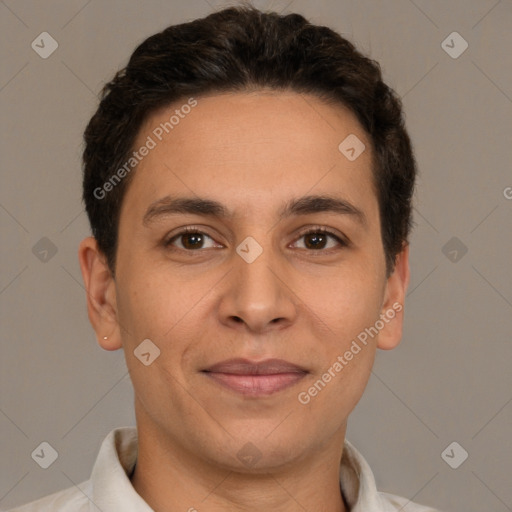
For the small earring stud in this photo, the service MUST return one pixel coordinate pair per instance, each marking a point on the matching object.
(105, 337)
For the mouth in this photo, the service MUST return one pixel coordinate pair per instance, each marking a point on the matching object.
(255, 378)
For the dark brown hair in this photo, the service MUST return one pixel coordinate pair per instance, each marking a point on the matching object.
(235, 50)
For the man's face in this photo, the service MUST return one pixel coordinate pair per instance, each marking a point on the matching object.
(209, 295)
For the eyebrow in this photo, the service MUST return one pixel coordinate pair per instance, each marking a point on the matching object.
(168, 206)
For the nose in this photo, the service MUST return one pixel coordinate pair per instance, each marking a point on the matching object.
(257, 297)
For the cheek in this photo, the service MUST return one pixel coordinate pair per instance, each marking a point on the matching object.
(334, 393)
(346, 307)
(143, 310)
(156, 305)
(151, 302)
(149, 309)
(346, 303)
(347, 350)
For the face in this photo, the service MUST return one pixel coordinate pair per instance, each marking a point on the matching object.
(247, 234)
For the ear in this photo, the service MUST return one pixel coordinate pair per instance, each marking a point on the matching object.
(101, 294)
(392, 312)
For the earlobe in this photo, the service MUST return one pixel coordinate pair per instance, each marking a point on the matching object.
(109, 342)
(393, 305)
(101, 298)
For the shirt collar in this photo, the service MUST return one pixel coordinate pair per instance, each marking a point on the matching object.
(112, 489)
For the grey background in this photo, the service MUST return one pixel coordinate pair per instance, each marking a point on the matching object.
(450, 378)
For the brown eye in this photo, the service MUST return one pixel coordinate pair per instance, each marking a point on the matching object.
(190, 240)
(318, 239)
(315, 240)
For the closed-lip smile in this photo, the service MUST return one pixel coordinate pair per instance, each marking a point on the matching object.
(253, 378)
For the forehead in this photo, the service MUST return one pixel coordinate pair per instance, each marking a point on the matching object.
(244, 146)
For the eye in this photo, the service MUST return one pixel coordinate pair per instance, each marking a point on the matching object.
(318, 239)
(190, 238)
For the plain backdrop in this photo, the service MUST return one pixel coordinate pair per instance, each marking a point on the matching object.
(448, 381)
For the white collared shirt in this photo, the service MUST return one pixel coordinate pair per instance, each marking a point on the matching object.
(109, 489)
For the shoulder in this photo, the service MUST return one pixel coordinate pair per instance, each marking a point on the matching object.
(359, 487)
(73, 498)
(108, 482)
(394, 502)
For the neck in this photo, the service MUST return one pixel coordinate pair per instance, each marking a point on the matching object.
(168, 477)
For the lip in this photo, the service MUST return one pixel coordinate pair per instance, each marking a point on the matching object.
(252, 378)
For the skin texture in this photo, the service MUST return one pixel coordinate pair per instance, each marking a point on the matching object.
(252, 152)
